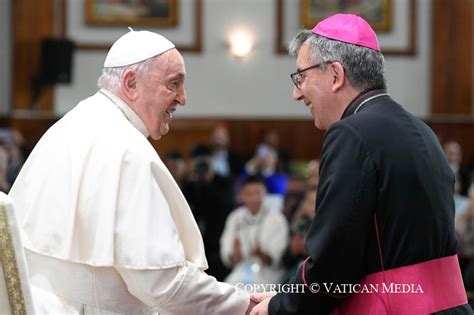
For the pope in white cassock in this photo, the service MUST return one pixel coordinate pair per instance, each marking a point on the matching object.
(106, 228)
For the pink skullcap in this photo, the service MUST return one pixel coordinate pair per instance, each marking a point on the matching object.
(348, 28)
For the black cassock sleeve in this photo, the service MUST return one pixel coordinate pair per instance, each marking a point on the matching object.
(338, 237)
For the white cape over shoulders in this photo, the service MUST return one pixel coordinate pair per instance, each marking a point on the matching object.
(119, 206)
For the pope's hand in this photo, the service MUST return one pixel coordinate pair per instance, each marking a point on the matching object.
(259, 297)
(250, 307)
(261, 308)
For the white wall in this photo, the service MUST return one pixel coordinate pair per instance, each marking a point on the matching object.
(5, 56)
(259, 86)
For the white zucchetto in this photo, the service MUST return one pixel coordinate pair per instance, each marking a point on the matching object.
(136, 46)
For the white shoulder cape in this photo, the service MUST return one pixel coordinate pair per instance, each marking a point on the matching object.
(95, 191)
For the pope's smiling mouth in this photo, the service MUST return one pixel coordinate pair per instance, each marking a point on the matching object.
(170, 112)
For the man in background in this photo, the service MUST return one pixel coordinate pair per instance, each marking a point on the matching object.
(211, 198)
(225, 161)
(453, 152)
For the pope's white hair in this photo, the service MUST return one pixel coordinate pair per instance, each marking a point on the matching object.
(111, 78)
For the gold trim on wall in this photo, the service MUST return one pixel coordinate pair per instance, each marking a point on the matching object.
(383, 12)
(195, 46)
(130, 14)
(410, 50)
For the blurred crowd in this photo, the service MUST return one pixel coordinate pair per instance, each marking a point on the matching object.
(464, 212)
(13, 153)
(254, 212)
(254, 219)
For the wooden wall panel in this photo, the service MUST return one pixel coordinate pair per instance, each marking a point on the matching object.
(32, 20)
(299, 137)
(452, 55)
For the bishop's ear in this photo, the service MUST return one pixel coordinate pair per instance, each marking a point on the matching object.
(129, 84)
(339, 76)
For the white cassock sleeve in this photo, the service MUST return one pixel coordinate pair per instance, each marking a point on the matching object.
(184, 290)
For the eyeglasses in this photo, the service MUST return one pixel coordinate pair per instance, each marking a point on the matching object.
(297, 77)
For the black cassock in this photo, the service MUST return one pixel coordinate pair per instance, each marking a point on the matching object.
(377, 159)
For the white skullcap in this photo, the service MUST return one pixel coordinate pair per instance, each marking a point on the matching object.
(136, 46)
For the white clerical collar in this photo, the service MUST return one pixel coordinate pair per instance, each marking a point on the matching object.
(131, 116)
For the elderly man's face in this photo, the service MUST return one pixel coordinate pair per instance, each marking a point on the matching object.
(314, 89)
(161, 90)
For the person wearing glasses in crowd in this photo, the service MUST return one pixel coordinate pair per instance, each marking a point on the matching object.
(106, 227)
(380, 221)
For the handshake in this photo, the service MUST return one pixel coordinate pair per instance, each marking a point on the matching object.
(259, 303)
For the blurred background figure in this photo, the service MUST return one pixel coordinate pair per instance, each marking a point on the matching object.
(254, 238)
(14, 152)
(313, 174)
(461, 203)
(271, 138)
(307, 184)
(300, 223)
(307, 207)
(13, 141)
(225, 162)
(19, 152)
(211, 198)
(464, 225)
(5, 184)
(176, 164)
(453, 152)
(264, 164)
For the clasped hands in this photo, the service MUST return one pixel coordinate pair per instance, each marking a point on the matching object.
(257, 251)
(259, 303)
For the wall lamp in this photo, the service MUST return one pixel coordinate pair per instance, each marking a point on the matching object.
(240, 43)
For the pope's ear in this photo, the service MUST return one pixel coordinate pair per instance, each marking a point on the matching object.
(129, 84)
